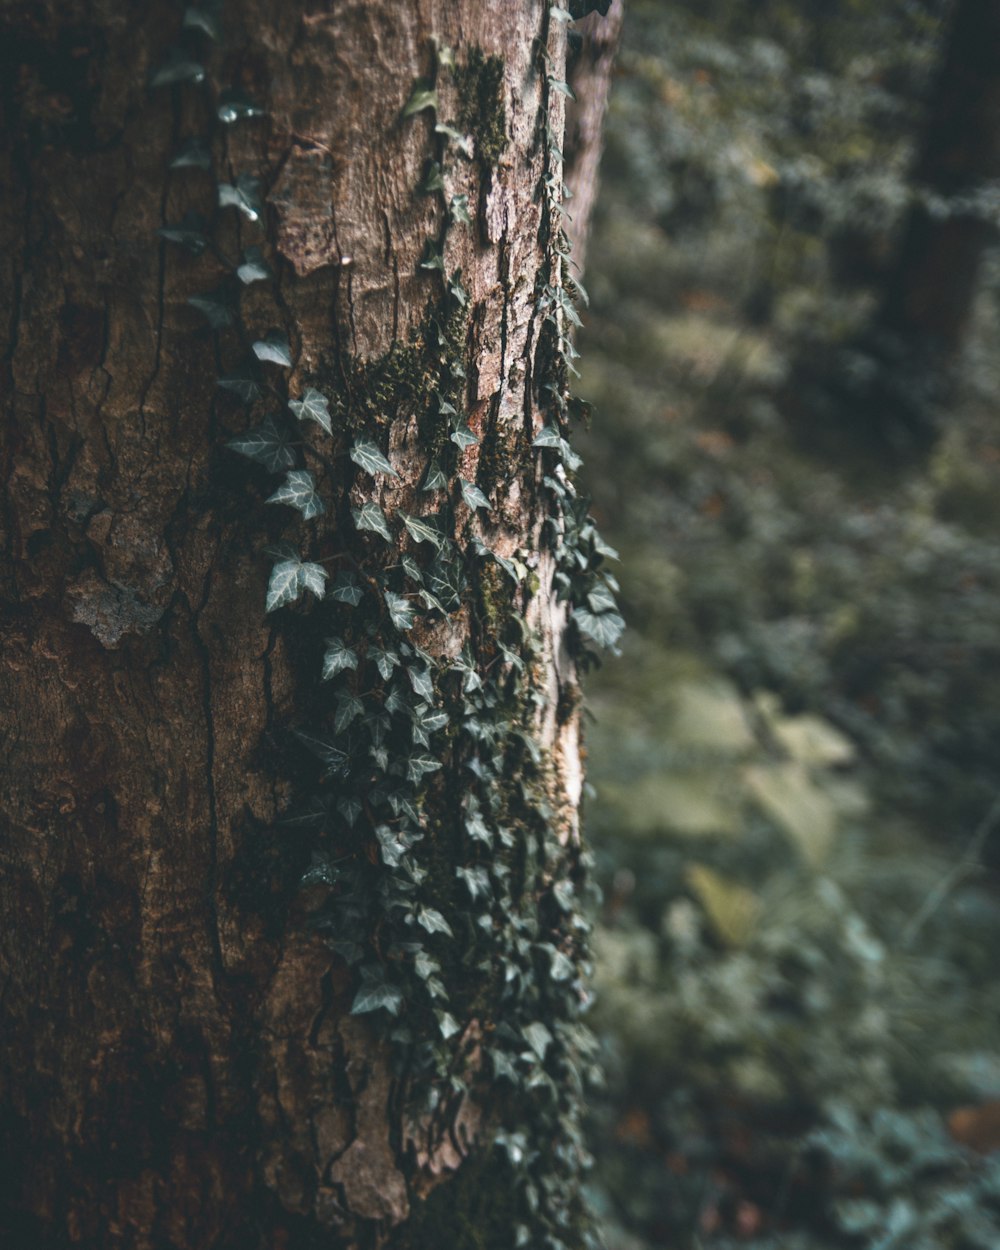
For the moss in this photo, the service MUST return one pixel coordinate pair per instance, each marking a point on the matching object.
(482, 110)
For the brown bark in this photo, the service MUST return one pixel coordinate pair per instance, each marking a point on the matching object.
(929, 296)
(178, 1067)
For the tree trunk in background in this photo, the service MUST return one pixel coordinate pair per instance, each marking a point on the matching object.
(930, 292)
(592, 49)
(178, 1065)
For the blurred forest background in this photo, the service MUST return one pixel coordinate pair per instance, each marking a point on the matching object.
(793, 352)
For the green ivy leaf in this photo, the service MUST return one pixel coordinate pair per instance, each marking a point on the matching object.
(422, 529)
(461, 141)
(432, 181)
(430, 919)
(422, 682)
(266, 444)
(400, 610)
(243, 385)
(216, 307)
(350, 808)
(423, 97)
(299, 491)
(371, 517)
(458, 207)
(463, 437)
(435, 478)
(254, 267)
(189, 232)
(384, 661)
(604, 629)
(313, 406)
(376, 993)
(432, 257)
(274, 347)
(328, 751)
(290, 578)
(418, 766)
(204, 18)
(243, 194)
(367, 456)
(476, 881)
(538, 1038)
(337, 658)
(549, 437)
(563, 88)
(346, 589)
(600, 599)
(235, 105)
(425, 720)
(349, 708)
(448, 1026)
(472, 495)
(192, 154)
(177, 67)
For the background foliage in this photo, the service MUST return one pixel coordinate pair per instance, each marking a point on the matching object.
(795, 763)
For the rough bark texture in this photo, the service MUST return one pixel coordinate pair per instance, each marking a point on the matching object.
(929, 296)
(177, 1065)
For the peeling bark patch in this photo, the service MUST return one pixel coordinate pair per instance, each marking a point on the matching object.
(110, 610)
(303, 197)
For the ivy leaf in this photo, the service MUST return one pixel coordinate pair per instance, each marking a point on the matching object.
(205, 19)
(400, 611)
(274, 347)
(243, 385)
(192, 154)
(446, 580)
(216, 307)
(189, 232)
(458, 207)
(473, 496)
(563, 88)
(350, 809)
(235, 105)
(434, 478)
(463, 437)
(422, 97)
(461, 141)
(290, 577)
(422, 529)
(432, 181)
(177, 67)
(422, 682)
(418, 766)
(337, 658)
(600, 599)
(538, 1038)
(391, 845)
(560, 15)
(313, 813)
(313, 406)
(266, 444)
(604, 629)
(384, 661)
(371, 517)
(349, 708)
(326, 750)
(346, 589)
(254, 267)
(549, 437)
(432, 257)
(367, 456)
(376, 993)
(476, 881)
(430, 919)
(448, 1026)
(425, 720)
(322, 871)
(412, 569)
(299, 491)
(243, 194)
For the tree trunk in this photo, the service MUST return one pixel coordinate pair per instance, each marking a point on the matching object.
(929, 296)
(282, 955)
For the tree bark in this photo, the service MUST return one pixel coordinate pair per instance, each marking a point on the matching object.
(180, 1065)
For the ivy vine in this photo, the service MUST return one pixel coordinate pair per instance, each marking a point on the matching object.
(444, 887)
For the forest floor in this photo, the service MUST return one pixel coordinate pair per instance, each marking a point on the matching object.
(795, 759)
